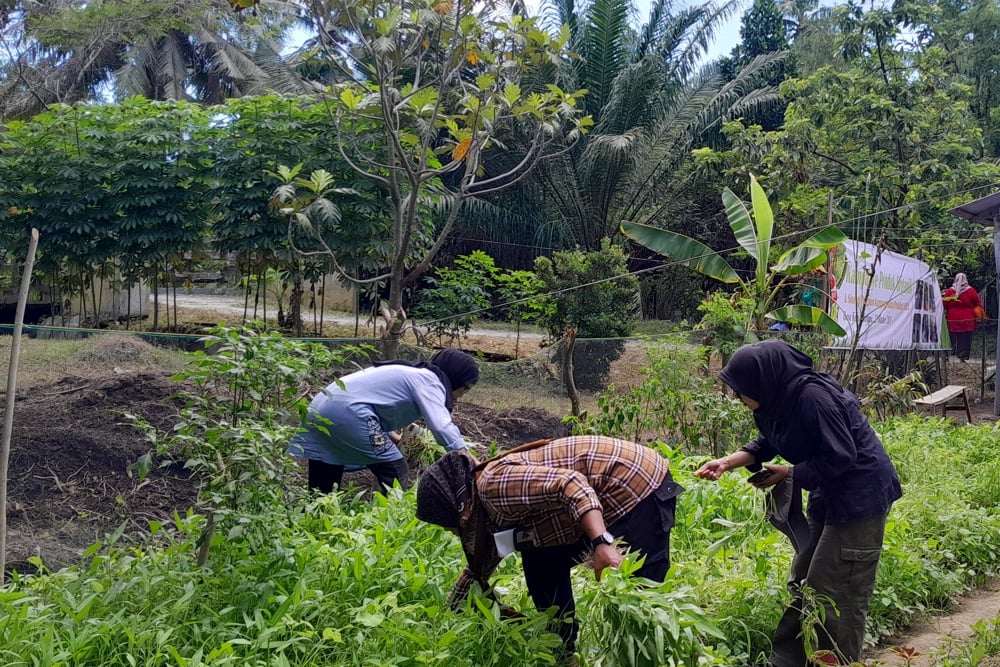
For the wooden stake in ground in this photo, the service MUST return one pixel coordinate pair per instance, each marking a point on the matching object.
(8, 418)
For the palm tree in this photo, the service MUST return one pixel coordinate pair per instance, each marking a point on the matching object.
(62, 51)
(650, 103)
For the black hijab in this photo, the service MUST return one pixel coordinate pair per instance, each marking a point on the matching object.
(773, 373)
(460, 368)
(454, 368)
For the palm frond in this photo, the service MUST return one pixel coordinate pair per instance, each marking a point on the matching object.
(692, 47)
(668, 143)
(651, 31)
(673, 37)
(230, 60)
(557, 13)
(604, 50)
(171, 70)
(280, 74)
(702, 105)
(747, 91)
(759, 100)
(491, 222)
(630, 103)
(133, 77)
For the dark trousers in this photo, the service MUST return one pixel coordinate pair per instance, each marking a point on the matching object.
(645, 529)
(839, 564)
(961, 343)
(324, 476)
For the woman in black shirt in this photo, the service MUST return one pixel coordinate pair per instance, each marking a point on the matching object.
(812, 422)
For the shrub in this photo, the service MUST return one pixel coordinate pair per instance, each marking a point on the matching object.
(249, 393)
(725, 318)
(593, 292)
(672, 402)
(454, 297)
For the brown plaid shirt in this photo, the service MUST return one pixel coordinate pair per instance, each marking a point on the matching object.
(547, 490)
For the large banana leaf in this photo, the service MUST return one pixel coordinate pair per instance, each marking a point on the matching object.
(739, 220)
(763, 219)
(692, 253)
(811, 253)
(807, 316)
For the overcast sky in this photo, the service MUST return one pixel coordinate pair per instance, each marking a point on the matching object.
(726, 36)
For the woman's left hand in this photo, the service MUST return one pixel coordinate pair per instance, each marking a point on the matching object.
(778, 474)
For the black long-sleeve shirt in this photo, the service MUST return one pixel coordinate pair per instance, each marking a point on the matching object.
(837, 455)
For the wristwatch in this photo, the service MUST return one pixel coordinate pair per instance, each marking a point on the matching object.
(603, 538)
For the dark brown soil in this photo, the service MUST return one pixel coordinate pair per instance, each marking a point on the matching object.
(508, 428)
(72, 475)
(71, 478)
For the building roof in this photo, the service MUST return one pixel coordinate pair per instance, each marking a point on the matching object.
(984, 210)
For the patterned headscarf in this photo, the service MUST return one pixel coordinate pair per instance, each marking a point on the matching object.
(446, 497)
(445, 490)
(960, 284)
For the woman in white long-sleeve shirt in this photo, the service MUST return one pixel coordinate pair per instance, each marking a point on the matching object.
(353, 422)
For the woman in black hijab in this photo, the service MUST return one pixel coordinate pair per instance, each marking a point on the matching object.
(810, 421)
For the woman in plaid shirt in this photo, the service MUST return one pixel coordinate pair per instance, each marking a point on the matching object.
(565, 500)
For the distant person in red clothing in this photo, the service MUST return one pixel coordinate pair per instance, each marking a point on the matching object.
(960, 303)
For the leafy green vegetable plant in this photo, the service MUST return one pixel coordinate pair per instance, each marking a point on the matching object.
(303, 580)
(249, 387)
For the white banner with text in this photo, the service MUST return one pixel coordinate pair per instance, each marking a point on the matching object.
(895, 298)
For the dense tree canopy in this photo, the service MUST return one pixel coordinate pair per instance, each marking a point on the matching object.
(651, 102)
(62, 52)
(428, 91)
(891, 135)
(445, 116)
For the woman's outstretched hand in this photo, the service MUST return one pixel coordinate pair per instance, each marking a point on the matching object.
(713, 469)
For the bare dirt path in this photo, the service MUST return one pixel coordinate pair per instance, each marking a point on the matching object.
(231, 305)
(932, 636)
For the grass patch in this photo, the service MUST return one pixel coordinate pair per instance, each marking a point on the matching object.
(44, 361)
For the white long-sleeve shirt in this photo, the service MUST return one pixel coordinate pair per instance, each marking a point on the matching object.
(351, 425)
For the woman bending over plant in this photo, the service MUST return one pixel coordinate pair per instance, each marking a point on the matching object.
(354, 421)
(558, 503)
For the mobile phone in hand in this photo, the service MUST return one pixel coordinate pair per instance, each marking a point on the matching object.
(759, 476)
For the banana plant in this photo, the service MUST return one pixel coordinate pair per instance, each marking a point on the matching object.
(754, 234)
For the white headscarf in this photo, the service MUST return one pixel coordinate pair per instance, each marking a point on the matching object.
(961, 283)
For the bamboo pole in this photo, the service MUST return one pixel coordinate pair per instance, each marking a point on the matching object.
(8, 420)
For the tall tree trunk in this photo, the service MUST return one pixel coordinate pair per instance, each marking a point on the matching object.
(568, 349)
(156, 304)
(394, 316)
(295, 305)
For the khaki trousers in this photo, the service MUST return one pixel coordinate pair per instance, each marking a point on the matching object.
(837, 566)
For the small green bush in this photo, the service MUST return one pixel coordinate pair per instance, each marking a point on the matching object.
(594, 293)
(674, 401)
